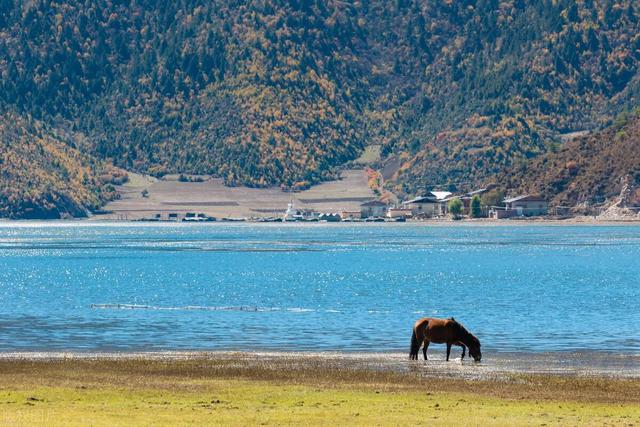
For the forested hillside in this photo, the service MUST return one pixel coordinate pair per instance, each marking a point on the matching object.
(589, 169)
(255, 93)
(43, 176)
(283, 92)
(509, 77)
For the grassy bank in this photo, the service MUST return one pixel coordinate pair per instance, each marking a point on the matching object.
(238, 391)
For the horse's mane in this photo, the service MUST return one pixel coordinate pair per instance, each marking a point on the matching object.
(458, 324)
(464, 330)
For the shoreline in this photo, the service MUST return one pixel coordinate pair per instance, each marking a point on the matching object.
(91, 222)
(495, 366)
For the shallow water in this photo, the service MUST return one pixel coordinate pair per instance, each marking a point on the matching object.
(129, 287)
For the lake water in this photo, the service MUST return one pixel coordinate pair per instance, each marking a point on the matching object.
(130, 287)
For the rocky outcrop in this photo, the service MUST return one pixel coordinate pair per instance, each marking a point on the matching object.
(622, 207)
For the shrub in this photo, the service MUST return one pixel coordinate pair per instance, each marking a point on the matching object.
(455, 208)
(476, 210)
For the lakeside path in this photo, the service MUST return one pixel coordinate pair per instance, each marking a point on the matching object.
(226, 388)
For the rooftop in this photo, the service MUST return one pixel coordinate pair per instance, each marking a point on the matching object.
(422, 199)
(441, 194)
(430, 197)
(524, 198)
(478, 191)
(374, 203)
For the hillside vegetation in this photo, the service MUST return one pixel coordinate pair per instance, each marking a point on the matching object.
(589, 169)
(42, 176)
(507, 79)
(283, 92)
(251, 92)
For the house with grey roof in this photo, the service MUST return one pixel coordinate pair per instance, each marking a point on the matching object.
(426, 206)
(373, 209)
(523, 205)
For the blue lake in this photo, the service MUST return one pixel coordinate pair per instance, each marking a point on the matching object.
(131, 287)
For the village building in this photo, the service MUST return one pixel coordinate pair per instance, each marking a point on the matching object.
(330, 217)
(197, 217)
(466, 198)
(524, 205)
(442, 209)
(298, 214)
(373, 209)
(439, 195)
(350, 215)
(427, 206)
(399, 213)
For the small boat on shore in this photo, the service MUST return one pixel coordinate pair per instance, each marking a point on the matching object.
(197, 217)
(374, 219)
(270, 219)
(234, 219)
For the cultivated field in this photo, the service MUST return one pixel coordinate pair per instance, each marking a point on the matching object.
(213, 198)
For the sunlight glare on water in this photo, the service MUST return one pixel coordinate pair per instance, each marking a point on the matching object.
(315, 287)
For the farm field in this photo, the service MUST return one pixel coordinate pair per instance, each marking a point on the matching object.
(213, 198)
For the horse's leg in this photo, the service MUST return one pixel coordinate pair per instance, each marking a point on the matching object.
(448, 350)
(463, 351)
(414, 356)
(417, 338)
(415, 346)
(424, 349)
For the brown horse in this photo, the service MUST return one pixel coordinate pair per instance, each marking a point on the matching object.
(443, 331)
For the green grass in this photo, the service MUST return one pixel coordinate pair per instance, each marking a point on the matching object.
(237, 402)
(228, 392)
(370, 155)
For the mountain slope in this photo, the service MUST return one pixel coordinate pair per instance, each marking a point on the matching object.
(42, 176)
(249, 92)
(588, 169)
(507, 79)
(283, 92)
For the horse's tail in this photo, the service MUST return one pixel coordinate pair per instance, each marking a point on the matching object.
(415, 345)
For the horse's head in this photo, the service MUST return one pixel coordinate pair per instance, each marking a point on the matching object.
(474, 348)
(470, 340)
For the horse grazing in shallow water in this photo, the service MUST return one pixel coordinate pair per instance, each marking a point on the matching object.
(443, 331)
